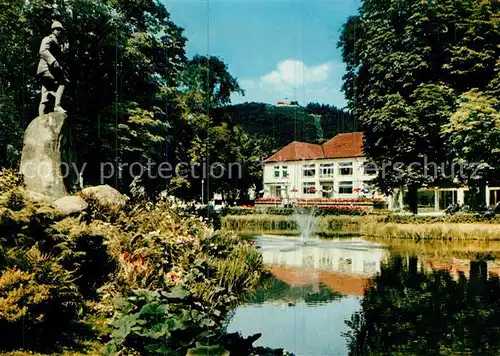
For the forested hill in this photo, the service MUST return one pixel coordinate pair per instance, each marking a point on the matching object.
(313, 123)
(333, 119)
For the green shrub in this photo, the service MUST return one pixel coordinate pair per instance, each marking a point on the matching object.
(15, 200)
(169, 323)
(10, 179)
(38, 300)
(158, 323)
(50, 265)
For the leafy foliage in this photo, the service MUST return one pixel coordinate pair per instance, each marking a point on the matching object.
(158, 323)
(333, 119)
(209, 77)
(36, 295)
(407, 63)
(281, 125)
(473, 135)
(120, 57)
(104, 254)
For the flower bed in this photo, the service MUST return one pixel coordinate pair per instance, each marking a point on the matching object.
(268, 200)
(338, 207)
(338, 200)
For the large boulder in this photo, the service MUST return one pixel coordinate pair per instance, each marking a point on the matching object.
(105, 195)
(41, 156)
(70, 205)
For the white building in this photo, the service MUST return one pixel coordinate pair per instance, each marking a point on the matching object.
(336, 169)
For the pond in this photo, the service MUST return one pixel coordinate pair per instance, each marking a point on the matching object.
(360, 296)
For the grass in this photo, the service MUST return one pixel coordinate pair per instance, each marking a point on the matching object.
(434, 231)
(441, 249)
(328, 226)
(371, 226)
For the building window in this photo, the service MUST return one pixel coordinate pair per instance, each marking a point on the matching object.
(309, 170)
(369, 169)
(284, 171)
(327, 170)
(278, 191)
(309, 188)
(345, 169)
(327, 189)
(276, 171)
(345, 187)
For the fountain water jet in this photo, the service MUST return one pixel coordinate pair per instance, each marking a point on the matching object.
(308, 222)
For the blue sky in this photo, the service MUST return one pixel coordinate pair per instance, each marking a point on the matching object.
(276, 49)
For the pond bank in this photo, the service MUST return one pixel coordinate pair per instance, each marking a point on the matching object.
(457, 227)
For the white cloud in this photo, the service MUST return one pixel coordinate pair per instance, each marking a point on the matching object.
(296, 73)
(294, 80)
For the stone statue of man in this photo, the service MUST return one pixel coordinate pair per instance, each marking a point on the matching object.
(49, 70)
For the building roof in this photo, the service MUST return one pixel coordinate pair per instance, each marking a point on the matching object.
(344, 283)
(341, 146)
(344, 145)
(297, 151)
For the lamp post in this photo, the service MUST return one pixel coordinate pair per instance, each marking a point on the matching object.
(202, 191)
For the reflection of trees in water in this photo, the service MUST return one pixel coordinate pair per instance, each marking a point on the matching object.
(276, 290)
(410, 311)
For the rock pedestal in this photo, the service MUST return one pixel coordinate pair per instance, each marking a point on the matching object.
(41, 156)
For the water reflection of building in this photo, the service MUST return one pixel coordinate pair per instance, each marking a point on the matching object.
(362, 262)
(456, 266)
(343, 283)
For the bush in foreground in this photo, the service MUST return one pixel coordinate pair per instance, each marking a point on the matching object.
(56, 271)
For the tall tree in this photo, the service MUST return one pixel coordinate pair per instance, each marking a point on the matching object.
(195, 136)
(407, 62)
(13, 99)
(473, 136)
(210, 77)
(122, 59)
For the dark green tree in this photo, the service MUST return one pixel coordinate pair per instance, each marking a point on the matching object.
(473, 136)
(123, 60)
(407, 62)
(210, 77)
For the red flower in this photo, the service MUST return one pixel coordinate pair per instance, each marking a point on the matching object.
(252, 243)
(126, 256)
(268, 200)
(173, 276)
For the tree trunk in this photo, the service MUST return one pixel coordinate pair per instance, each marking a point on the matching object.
(477, 196)
(412, 199)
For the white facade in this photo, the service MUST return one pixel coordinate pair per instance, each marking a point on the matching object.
(362, 262)
(319, 178)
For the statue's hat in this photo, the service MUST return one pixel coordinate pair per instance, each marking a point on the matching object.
(57, 24)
